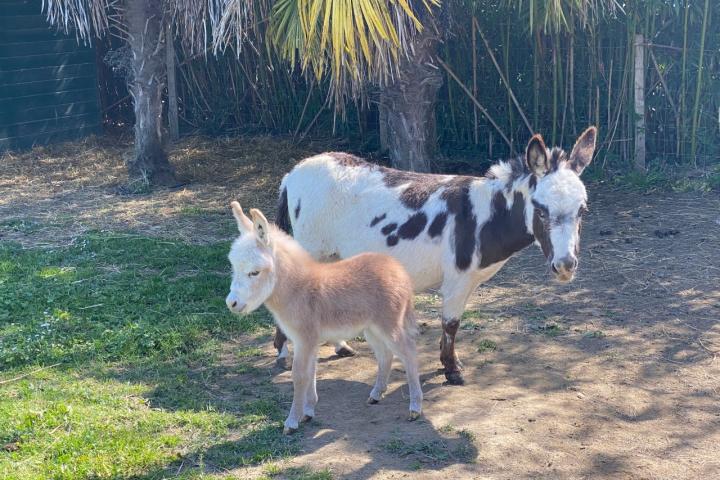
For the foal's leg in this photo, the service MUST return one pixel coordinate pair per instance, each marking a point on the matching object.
(405, 349)
(311, 396)
(384, 358)
(304, 354)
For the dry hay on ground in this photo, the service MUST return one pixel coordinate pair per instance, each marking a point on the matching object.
(51, 195)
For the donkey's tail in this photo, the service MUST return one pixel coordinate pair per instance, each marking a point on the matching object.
(283, 215)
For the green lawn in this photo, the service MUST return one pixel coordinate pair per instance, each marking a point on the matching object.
(134, 331)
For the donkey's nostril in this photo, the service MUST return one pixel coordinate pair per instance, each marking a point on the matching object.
(234, 304)
(554, 268)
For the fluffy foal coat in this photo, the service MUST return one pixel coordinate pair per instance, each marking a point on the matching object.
(317, 302)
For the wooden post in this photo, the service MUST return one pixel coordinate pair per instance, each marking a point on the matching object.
(639, 103)
(171, 83)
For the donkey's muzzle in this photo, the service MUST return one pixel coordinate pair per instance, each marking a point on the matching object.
(233, 305)
(564, 269)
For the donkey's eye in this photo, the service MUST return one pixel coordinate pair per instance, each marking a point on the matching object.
(254, 274)
(542, 213)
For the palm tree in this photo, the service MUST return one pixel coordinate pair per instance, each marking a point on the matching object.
(144, 25)
(388, 44)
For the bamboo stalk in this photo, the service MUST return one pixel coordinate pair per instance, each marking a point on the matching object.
(698, 85)
(474, 72)
(477, 104)
(503, 78)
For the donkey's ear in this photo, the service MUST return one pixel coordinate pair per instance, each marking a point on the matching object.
(536, 156)
(582, 152)
(243, 222)
(260, 224)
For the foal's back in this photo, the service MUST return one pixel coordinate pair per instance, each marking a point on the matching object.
(369, 286)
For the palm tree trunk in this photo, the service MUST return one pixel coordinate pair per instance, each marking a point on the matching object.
(408, 106)
(145, 28)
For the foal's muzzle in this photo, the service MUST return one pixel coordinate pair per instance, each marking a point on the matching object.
(233, 304)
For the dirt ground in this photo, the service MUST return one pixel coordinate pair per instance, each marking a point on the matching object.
(616, 375)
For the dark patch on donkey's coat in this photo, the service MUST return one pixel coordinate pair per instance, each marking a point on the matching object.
(505, 233)
(457, 197)
(392, 240)
(420, 186)
(389, 228)
(413, 226)
(297, 210)
(378, 219)
(348, 160)
(437, 225)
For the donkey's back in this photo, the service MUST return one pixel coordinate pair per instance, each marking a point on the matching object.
(338, 205)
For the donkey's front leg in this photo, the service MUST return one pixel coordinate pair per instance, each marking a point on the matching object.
(455, 295)
(280, 343)
(301, 383)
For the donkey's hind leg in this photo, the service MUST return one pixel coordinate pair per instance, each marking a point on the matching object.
(384, 358)
(342, 349)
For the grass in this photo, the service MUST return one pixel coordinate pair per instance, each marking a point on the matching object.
(133, 330)
(486, 345)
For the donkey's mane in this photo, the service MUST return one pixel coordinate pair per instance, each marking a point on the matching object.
(507, 171)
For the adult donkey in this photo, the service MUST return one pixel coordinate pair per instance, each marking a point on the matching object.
(448, 230)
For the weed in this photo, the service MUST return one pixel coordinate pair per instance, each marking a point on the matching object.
(594, 334)
(486, 345)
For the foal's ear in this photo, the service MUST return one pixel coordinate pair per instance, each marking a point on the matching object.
(244, 223)
(536, 156)
(260, 223)
(582, 152)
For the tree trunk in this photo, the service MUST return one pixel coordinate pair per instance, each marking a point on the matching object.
(408, 106)
(145, 29)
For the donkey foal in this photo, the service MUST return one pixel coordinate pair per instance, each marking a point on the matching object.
(316, 302)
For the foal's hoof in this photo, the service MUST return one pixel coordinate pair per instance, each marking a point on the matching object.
(345, 352)
(372, 401)
(306, 418)
(413, 416)
(289, 430)
(454, 378)
(283, 363)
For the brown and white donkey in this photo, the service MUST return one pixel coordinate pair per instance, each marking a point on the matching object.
(450, 231)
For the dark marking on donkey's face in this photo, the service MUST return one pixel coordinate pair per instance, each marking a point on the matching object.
(505, 233)
(392, 240)
(457, 197)
(297, 210)
(541, 229)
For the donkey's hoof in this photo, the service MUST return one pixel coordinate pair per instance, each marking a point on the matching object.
(283, 363)
(413, 416)
(306, 418)
(345, 352)
(289, 430)
(454, 378)
(372, 401)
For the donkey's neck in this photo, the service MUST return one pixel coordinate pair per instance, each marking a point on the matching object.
(509, 228)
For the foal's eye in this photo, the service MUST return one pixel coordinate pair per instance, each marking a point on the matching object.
(254, 274)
